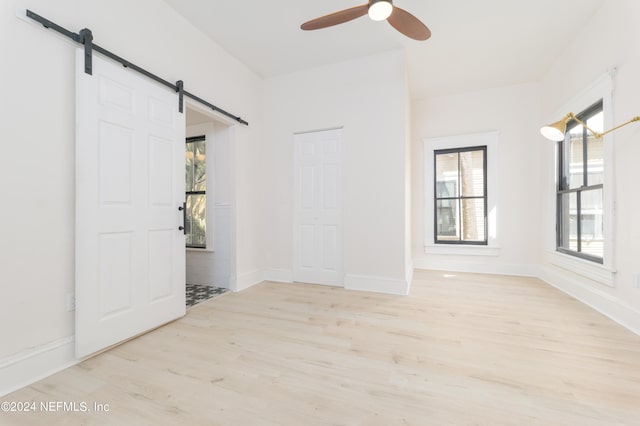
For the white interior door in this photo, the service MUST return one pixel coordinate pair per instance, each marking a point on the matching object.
(318, 241)
(130, 254)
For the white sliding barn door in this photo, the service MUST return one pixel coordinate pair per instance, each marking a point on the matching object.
(318, 241)
(130, 254)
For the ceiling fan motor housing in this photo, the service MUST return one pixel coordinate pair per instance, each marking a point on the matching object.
(372, 2)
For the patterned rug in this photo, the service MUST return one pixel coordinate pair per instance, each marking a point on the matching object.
(199, 293)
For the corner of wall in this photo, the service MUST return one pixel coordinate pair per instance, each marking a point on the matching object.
(279, 275)
(247, 279)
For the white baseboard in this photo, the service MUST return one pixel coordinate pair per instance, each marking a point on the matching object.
(376, 284)
(457, 265)
(279, 275)
(608, 305)
(248, 279)
(353, 282)
(573, 285)
(29, 366)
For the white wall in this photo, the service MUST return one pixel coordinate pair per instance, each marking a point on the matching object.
(368, 97)
(38, 156)
(514, 113)
(608, 41)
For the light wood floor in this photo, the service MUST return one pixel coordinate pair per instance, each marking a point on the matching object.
(463, 349)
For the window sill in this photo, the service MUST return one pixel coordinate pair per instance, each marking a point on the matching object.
(462, 250)
(199, 250)
(594, 271)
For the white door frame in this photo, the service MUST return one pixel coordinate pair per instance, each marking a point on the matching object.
(223, 258)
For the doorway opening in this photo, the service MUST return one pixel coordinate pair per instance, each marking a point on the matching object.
(209, 205)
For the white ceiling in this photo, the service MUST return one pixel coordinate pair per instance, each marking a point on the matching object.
(475, 44)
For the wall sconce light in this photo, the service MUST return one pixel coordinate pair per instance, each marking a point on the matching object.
(557, 130)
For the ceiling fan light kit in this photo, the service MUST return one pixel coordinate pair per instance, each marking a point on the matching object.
(379, 10)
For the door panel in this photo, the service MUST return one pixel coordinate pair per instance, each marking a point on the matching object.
(115, 274)
(160, 172)
(329, 243)
(115, 150)
(318, 244)
(130, 256)
(329, 187)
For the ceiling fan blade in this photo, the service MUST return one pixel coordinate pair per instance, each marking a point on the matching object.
(408, 24)
(336, 18)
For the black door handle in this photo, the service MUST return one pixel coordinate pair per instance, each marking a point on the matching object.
(183, 209)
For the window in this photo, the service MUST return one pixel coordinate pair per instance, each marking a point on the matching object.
(594, 256)
(460, 195)
(196, 192)
(444, 182)
(580, 189)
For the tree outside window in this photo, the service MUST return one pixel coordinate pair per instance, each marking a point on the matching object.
(196, 192)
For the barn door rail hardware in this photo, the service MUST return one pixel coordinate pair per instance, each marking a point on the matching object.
(85, 37)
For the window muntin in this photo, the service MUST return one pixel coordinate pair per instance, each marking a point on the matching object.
(580, 192)
(460, 196)
(196, 192)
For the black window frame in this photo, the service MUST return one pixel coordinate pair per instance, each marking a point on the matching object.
(189, 140)
(563, 185)
(485, 197)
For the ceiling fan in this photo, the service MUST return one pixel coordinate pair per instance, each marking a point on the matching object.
(378, 10)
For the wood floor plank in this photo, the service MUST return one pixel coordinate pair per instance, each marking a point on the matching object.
(462, 349)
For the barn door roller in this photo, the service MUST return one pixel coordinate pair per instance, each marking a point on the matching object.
(86, 38)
